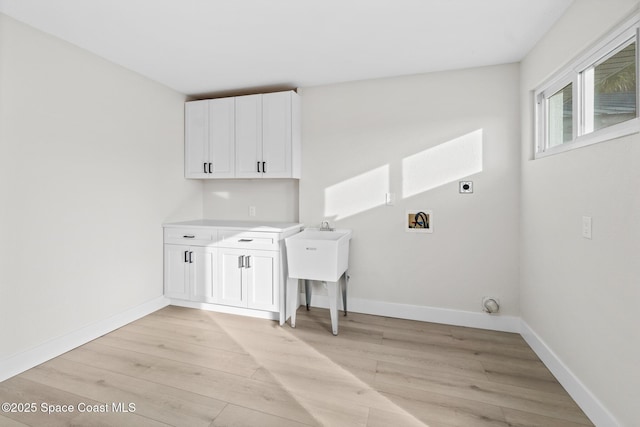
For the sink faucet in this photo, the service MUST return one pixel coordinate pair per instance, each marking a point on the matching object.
(324, 226)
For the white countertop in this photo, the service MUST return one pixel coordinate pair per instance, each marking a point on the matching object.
(270, 226)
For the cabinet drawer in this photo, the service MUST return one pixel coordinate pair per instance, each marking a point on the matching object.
(248, 240)
(191, 236)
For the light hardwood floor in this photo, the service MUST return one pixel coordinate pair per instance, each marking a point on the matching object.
(185, 367)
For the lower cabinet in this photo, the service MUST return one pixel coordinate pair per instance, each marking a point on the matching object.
(189, 272)
(234, 267)
(248, 278)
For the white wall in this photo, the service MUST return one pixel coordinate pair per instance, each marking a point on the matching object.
(581, 296)
(417, 136)
(274, 199)
(90, 167)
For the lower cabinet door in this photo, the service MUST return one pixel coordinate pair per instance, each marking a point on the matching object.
(229, 285)
(235, 277)
(262, 277)
(201, 274)
(176, 271)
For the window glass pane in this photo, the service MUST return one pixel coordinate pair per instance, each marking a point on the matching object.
(614, 87)
(560, 117)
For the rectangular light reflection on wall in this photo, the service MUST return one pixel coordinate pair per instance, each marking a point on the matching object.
(357, 194)
(442, 164)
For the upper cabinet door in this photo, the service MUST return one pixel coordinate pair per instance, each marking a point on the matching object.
(276, 134)
(249, 136)
(222, 138)
(196, 139)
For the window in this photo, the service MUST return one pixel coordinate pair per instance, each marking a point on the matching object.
(594, 99)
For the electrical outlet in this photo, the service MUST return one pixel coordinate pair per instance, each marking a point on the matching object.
(465, 186)
(252, 211)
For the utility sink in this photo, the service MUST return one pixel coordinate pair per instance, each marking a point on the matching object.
(315, 254)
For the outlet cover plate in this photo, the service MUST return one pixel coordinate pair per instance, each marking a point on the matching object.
(485, 299)
(465, 186)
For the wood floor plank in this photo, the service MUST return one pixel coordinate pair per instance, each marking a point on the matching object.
(327, 344)
(454, 386)
(195, 354)
(517, 418)
(183, 366)
(434, 408)
(166, 329)
(220, 385)
(237, 416)
(155, 401)
(523, 373)
(330, 413)
(8, 422)
(19, 389)
(383, 418)
(462, 348)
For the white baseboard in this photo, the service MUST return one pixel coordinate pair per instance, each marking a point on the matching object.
(494, 322)
(226, 309)
(20, 362)
(592, 407)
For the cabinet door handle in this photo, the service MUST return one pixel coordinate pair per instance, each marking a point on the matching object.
(190, 260)
(189, 236)
(210, 168)
(241, 261)
(245, 240)
(204, 166)
(264, 167)
(258, 165)
(248, 263)
(185, 256)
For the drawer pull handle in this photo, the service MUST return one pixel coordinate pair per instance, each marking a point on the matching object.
(189, 236)
(248, 263)
(241, 261)
(245, 240)
(190, 260)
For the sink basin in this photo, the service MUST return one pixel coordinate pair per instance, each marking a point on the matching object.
(313, 254)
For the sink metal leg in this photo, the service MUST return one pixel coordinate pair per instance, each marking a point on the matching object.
(307, 292)
(293, 300)
(334, 296)
(343, 284)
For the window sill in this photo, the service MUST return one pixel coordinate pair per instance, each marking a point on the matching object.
(617, 131)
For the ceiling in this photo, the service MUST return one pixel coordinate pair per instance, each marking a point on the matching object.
(205, 47)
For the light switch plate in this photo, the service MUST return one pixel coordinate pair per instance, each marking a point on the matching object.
(586, 227)
(465, 186)
(390, 199)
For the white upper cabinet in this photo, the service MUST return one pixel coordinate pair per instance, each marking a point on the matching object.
(252, 136)
(209, 138)
(222, 137)
(196, 138)
(249, 136)
(277, 135)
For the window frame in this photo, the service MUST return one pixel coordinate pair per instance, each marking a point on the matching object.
(574, 73)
